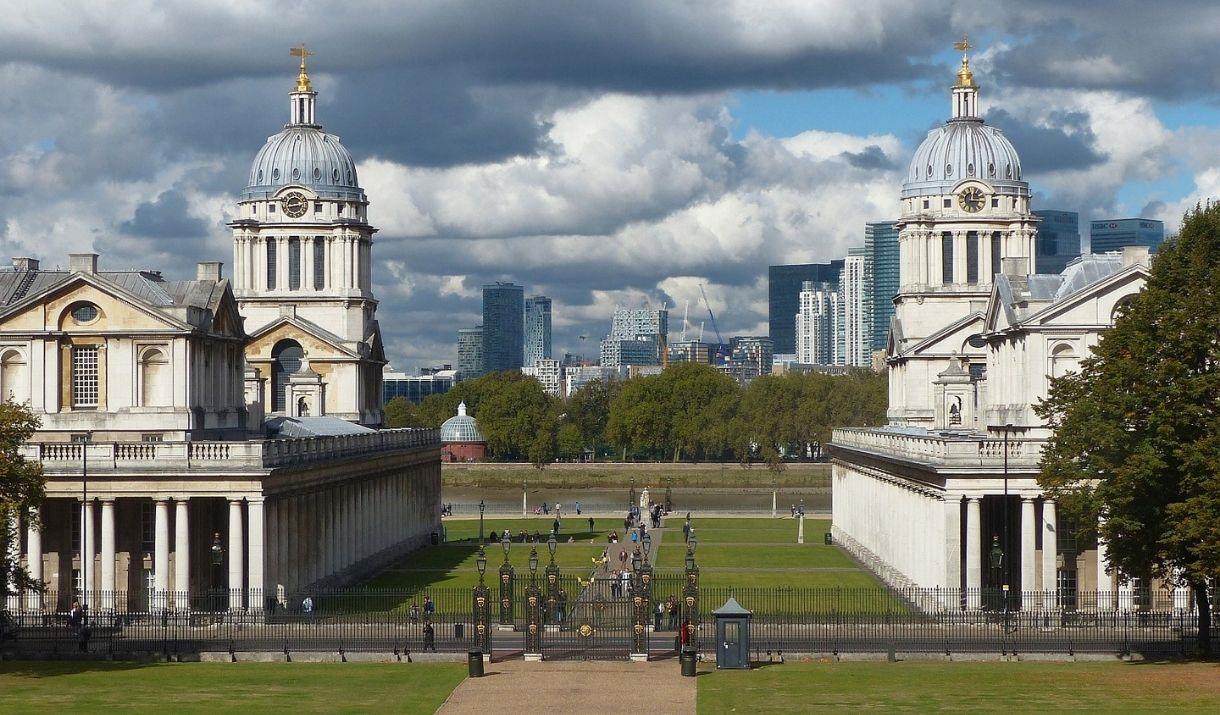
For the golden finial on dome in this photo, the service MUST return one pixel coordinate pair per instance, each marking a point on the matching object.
(303, 84)
(965, 78)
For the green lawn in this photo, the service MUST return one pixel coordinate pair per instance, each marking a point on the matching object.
(454, 565)
(41, 687)
(966, 687)
(570, 525)
(763, 557)
(745, 579)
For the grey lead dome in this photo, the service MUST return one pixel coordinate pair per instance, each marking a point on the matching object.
(304, 155)
(958, 150)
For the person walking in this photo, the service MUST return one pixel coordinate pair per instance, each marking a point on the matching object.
(555, 525)
(605, 561)
(622, 558)
(624, 584)
(429, 607)
(634, 537)
(429, 636)
(656, 617)
(578, 510)
(672, 605)
(591, 525)
(686, 531)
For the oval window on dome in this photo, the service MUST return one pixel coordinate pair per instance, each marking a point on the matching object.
(948, 170)
(991, 170)
(260, 176)
(1008, 172)
(296, 174)
(349, 176)
(970, 169)
(275, 174)
(929, 171)
(317, 174)
(334, 175)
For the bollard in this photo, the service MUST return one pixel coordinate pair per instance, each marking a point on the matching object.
(474, 661)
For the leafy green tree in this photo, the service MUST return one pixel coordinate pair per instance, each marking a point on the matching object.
(700, 402)
(22, 487)
(569, 443)
(1137, 428)
(589, 410)
(516, 417)
(767, 417)
(638, 422)
(401, 412)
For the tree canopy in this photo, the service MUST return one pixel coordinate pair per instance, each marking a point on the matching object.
(1137, 429)
(22, 487)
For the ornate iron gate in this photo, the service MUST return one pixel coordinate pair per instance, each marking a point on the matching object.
(595, 627)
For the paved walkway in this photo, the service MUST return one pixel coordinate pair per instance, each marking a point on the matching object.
(575, 687)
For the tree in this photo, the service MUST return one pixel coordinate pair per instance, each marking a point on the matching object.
(589, 410)
(401, 412)
(569, 443)
(1137, 429)
(22, 487)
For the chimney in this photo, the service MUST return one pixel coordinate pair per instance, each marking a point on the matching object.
(1015, 266)
(21, 263)
(1136, 255)
(208, 270)
(83, 263)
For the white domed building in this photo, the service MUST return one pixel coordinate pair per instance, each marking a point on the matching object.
(461, 440)
(302, 261)
(975, 341)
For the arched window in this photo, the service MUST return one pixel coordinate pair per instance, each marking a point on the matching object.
(302, 407)
(1120, 308)
(154, 378)
(1063, 360)
(285, 360)
(13, 376)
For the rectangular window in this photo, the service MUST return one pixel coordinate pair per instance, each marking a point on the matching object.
(995, 202)
(154, 437)
(946, 255)
(948, 203)
(925, 203)
(148, 525)
(84, 376)
(271, 267)
(1067, 588)
(317, 207)
(972, 257)
(294, 263)
(995, 253)
(270, 208)
(76, 528)
(339, 209)
(319, 263)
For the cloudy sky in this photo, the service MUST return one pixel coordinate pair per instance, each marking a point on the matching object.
(601, 153)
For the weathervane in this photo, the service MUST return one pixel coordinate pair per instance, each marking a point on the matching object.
(962, 44)
(303, 84)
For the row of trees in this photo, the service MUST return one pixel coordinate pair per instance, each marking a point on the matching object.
(688, 412)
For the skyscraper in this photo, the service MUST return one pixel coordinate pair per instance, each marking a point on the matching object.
(503, 327)
(1113, 234)
(537, 329)
(783, 297)
(816, 325)
(470, 353)
(1058, 240)
(881, 249)
(855, 326)
(628, 323)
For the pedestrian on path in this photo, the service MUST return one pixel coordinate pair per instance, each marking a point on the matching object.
(656, 617)
(624, 586)
(555, 526)
(614, 584)
(634, 537)
(605, 561)
(622, 558)
(578, 508)
(590, 524)
(686, 531)
(672, 605)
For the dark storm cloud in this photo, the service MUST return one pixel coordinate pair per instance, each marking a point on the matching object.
(166, 217)
(1065, 146)
(871, 157)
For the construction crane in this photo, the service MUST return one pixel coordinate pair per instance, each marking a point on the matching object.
(712, 317)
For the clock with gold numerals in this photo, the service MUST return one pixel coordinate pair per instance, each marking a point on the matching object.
(972, 200)
(295, 204)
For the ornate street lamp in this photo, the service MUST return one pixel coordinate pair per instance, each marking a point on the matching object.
(631, 494)
(690, 594)
(551, 544)
(552, 583)
(507, 583)
(218, 560)
(482, 607)
(533, 608)
(647, 545)
(669, 495)
(533, 563)
(481, 508)
(636, 563)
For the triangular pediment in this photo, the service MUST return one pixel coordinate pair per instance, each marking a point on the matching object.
(950, 339)
(1128, 281)
(118, 308)
(319, 343)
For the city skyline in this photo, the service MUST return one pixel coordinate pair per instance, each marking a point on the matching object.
(641, 169)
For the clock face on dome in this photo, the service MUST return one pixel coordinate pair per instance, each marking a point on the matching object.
(295, 204)
(971, 200)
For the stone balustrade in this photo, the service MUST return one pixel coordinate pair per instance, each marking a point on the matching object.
(948, 450)
(204, 455)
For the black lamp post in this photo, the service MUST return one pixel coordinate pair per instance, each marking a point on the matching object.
(669, 495)
(996, 559)
(533, 608)
(552, 583)
(86, 537)
(218, 559)
(631, 494)
(507, 583)
(1007, 571)
(482, 609)
(481, 508)
(690, 594)
(647, 545)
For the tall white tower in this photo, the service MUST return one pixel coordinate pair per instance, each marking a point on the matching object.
(965, 216)
(302, 249)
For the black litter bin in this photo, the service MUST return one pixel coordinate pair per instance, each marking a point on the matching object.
(474, 661)
(459, 630)
(688, 658)
(829, 539)
(436, 538)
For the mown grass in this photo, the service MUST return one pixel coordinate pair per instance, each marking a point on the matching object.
(962, 687)
(41, 687)
(615, 475)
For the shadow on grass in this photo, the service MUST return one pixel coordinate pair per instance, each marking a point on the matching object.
(58, 668)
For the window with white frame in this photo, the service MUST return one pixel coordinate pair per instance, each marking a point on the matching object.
(84, 376)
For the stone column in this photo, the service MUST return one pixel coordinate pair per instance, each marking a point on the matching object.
(161, 553)
(254, 507)
(1029, 545)
(87, 549)
(974, 552)
(270, 547)
(182, 553)
(1050, 538)
(108, 555)
(1104, 583)
(236, 557)
(33, 555)
(953, 550)
(14, 556)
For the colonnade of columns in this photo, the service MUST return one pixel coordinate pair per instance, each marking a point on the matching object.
(345, 262)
